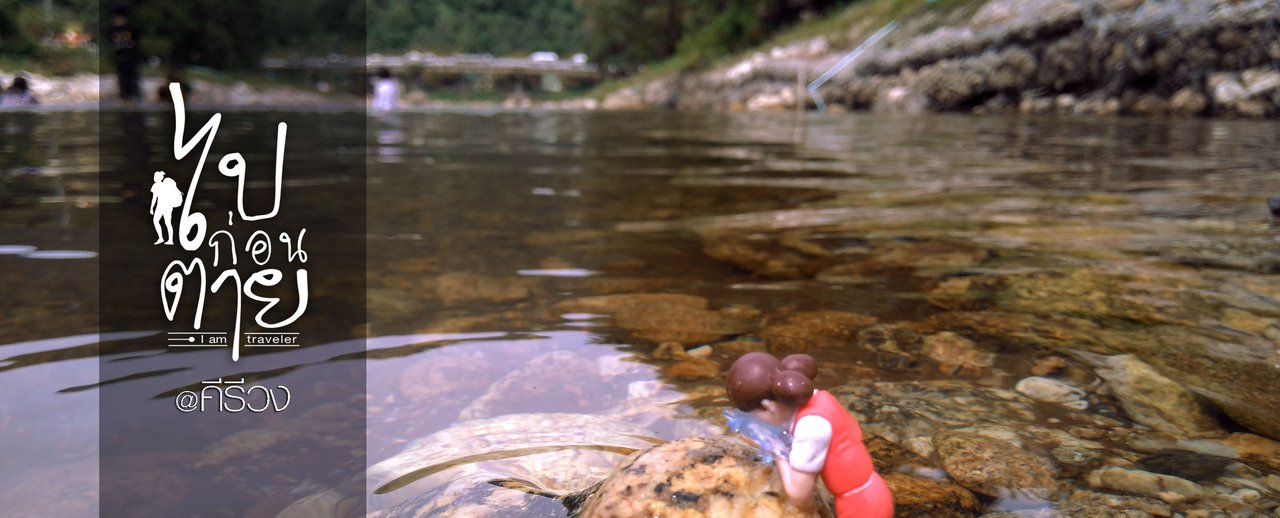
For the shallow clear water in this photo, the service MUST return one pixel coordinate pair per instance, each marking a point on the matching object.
(479, 224)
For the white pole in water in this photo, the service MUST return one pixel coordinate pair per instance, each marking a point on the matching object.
(845, 61)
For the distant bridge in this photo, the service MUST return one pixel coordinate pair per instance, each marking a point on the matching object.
(431, 63)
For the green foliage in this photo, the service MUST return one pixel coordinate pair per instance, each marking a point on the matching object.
(498, 27)
(627, 34)
(25, 24)
(236, 34)
(30, 31)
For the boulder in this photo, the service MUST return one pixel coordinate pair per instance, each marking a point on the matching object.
(991, 466)
(692, 477)
(1150, 398)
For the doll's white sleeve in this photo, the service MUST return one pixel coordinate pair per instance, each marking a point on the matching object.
(809, 444)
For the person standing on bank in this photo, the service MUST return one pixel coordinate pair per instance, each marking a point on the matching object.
(386, 92)
(124, 40)
(826, 440)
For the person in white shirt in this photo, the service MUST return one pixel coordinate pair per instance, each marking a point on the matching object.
(386, 92)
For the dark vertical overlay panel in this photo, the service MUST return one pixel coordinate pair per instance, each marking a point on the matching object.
(242, 392)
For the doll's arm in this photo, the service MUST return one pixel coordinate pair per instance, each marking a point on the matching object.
(798, 484)
(799, 470)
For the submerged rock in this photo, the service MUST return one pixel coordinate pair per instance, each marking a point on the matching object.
(932, 256)
(689, 326)
(814, 330)
(756, 256)
(1150, 398)
(610, 304)
(553, 381)
(670, 351)
(918, 496)
(1196, 467)
(1210, 332)
(693, 369)
(459, 287)
(1092, 504)
(1167, 488)
(895, 345)
(667, 317)
(956, 353)
(911, 413)
(692, 478)
(993, 467)
(918, 488)
(1053, 391)
(449, 376)
(1256, 450)
(1049, 365)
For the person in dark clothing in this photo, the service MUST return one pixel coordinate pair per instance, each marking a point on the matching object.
(124, 39)
(18, 95)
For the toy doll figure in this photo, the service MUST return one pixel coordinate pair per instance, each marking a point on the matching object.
(826, 440)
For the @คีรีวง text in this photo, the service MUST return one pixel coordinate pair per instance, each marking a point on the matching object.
(233, 397)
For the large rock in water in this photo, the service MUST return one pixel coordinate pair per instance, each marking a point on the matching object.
(1150, 398)
(693, 477)
(721, 477)
(991, 466)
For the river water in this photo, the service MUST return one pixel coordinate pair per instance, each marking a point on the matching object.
(514, 258)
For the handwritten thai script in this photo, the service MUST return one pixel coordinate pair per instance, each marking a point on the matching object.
(193, 235)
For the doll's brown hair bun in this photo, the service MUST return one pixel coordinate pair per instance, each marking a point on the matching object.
(751, 380)
(791, 388)
(802, 363)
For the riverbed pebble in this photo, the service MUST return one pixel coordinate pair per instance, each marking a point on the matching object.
(1052, 391)
(1167, 488)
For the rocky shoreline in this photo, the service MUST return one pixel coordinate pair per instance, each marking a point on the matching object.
(1130, 57)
